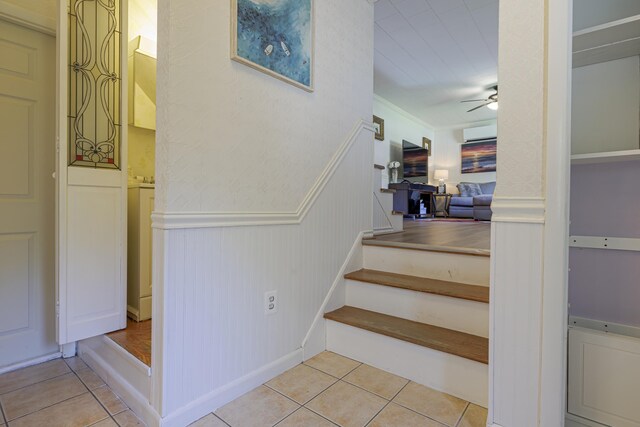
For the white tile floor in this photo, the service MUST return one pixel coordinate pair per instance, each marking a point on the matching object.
(60, 393)
(327, 390)
(331, 390)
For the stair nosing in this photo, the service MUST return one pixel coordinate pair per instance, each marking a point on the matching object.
(434, 345)
(354, 275)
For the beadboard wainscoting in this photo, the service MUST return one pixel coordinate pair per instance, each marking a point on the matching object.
(214, 280)
(517, 241)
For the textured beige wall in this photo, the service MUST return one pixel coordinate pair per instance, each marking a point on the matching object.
(233, 139)
(142, 151)
(522, 104)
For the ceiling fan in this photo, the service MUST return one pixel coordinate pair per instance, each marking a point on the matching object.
(491, 102)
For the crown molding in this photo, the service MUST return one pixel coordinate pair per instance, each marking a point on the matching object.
(390, 105)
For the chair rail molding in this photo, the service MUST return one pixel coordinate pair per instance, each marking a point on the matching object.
(27, 18)
(518, 209)
(190, 220)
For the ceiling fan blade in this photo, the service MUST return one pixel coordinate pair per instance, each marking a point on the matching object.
(479, 106)
(475, 100)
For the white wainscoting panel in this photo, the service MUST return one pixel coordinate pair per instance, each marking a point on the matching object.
(214, 279)
(515, 312)
(604, 377)
(94, 294)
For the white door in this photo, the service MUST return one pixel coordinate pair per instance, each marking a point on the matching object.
(27, 161)
(91, 185)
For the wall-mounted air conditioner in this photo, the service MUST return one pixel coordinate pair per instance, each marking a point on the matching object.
(480, 133)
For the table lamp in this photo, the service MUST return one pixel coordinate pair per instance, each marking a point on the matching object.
(441, 175)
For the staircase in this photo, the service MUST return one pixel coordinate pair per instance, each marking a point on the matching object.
(421, 314)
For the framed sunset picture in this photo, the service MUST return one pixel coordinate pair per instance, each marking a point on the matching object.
(275, 37)
(479, 156)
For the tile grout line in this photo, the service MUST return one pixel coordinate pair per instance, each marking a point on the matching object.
(29, 385)
(96, 397)
(322, 416)
(463, 414)
(388, 402)
(421, 414)
(223, 421)
(46, 407)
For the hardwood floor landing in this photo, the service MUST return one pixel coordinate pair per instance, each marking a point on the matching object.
(136, 339)
(469, 237)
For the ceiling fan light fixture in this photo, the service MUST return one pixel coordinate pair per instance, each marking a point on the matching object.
(493, 106)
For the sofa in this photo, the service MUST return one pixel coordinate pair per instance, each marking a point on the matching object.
(474, 201)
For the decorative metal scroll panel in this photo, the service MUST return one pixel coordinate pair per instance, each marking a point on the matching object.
(94, 83)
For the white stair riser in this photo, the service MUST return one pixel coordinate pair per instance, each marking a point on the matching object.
(451, 374)
(452, 313)
(461, 268)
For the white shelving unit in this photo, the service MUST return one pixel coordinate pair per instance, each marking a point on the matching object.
(605, 157)
(607, 42)
(603, 357)
(602, 43)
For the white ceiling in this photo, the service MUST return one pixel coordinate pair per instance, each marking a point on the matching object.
(432, 54)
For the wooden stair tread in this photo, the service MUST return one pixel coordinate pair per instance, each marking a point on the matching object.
(422, 284)
(448, 341)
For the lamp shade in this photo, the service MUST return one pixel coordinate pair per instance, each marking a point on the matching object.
(441, 174)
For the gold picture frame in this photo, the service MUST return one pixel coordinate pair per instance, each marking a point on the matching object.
(426, 143)
(378, 123)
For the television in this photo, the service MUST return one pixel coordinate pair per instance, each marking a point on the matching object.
(415, 160)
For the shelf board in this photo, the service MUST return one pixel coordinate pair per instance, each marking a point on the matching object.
(605, 157)
(607, 42)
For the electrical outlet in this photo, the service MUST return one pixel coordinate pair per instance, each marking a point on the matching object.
(271, 302)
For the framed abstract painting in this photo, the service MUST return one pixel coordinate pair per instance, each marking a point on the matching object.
(275, 37)
(479, 156)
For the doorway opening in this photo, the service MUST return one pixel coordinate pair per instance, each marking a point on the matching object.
(141, 66)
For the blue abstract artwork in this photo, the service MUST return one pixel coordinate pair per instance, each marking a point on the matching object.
(276, 36)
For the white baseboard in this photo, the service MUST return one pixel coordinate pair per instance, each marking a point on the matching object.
(229, 392)
(133, 313)
(315, 340)
(30, 362)
(98, 353)
(575, 421)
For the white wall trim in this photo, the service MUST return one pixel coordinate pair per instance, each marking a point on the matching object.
(190, 220)
(390, 105)
(582, 421)
(30, 362)
(518, 209)
(225, 394)
(337, 281)
(557, 161)
(26, 18)
(132, 397)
